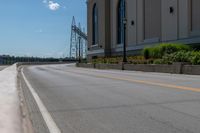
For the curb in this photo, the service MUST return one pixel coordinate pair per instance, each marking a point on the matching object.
(26, 122)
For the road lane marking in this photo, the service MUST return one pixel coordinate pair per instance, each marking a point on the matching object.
(144, 82)
(154, 83)
(53, 128)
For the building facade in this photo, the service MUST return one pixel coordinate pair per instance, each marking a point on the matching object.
(148, 22)
(1, 60)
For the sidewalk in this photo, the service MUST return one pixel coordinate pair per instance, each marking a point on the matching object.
(10, 121)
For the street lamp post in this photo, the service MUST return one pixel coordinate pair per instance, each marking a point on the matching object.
(79, 50)
(124, 34)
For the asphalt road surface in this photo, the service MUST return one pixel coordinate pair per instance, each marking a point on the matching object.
(2, 67)
(109, 101)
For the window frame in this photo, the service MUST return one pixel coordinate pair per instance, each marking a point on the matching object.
(120, 26)
(95, 28)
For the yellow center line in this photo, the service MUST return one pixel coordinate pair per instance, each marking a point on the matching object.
(153, 83)
(144, 82)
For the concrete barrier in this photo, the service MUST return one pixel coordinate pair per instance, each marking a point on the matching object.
(175, 68)
(109, 66)
(191, 69)
(42, 63)
(139, 67)
(166, 69)
(153, 68)
(85, 65)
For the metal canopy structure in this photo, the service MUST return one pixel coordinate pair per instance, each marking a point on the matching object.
(78, 41)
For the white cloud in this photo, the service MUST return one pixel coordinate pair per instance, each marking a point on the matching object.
(53, 5)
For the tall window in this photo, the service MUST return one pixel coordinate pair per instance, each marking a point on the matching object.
(120, 27)
(95, 24)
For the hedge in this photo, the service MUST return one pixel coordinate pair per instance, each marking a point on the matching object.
(160, 54)
(160, 50)
(192, 57)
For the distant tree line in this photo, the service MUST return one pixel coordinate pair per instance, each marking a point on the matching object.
(8, 60)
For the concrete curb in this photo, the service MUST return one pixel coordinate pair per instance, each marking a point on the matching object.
(26, 121)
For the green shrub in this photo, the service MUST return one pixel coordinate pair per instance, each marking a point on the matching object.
(158, 61)
(107, 60)
(117, 60)
(139, 60)
(167, 59)
(192, 57)
(195, 58)
(181, 56)
(160, 50)
(146, 53)
(171, 48)
(113, 60)
(184, 55)
(135, 58)
(98, 60)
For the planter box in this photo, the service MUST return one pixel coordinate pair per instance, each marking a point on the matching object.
(85, 65)
(191, 69)
(167, 68)
(139, 67)
(176, 68)
(162, 68)
(109, 66)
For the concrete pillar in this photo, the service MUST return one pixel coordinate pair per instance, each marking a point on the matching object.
(169, 20)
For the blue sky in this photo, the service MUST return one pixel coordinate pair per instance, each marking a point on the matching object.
(38, 27)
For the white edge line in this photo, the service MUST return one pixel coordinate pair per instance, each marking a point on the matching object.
(45, 114)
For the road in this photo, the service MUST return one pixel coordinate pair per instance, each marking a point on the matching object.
(2, 67)
(110, 101)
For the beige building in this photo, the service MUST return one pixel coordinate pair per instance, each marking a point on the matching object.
(148, 22)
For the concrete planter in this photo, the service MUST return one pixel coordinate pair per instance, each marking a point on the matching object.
(191, 69)
(152, 68)
(109, 66)
(85, 65)
(42, 63)
(175, 68)
(139, 67)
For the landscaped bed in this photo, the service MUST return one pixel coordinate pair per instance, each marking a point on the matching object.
(160, 54)
(165, 58)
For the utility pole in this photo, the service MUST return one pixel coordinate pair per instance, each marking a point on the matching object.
(124, 34)
(77, 32)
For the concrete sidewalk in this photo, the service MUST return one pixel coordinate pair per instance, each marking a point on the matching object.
(10, 121)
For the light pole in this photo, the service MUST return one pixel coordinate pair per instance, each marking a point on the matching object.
(79, 49)
(124, 31)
